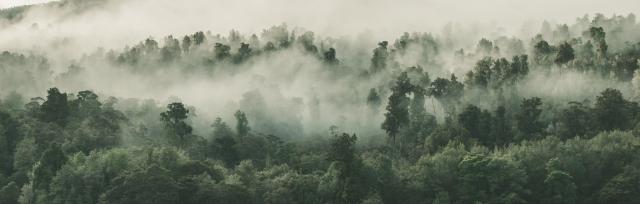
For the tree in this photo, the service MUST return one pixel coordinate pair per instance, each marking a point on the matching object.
(306, 39)
(559, 184)
(344, 173)
(542, 53)
(198, 38)
(86, 104)
(612, 111)
(501, 128)
(330, 57)
(598, 35)
(223, 145)
(52, 159)
(171, 49)
(575, 121)
(373, 100)
(485, 179)
(148, 185)
(343, 149)
(9, 194)
(481, 75)
(528, 118)
(221, 51)
(244, 52)
(379, 59)
(484, 47)
(477, 122)
(56, 108)
(242, 124)
(519, 67)
(565, 54)
(420, 120)
(150, 46)
(186, 44)
(623, 188)
(397, 114)
(83, 178)
(447, 91)
(10, 136)
(175, 123)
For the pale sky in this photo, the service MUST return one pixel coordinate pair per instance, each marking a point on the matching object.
(128, 21)
(12, 3)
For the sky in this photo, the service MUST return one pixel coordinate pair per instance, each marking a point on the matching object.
(380, 14)
(12, 3)
(132, 20)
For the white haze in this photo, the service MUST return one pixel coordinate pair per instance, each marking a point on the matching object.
(63, 38)
(128, 21)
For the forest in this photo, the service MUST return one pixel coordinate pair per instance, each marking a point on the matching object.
(287, 115)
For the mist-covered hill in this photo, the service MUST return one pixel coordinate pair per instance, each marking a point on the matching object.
(125, 102)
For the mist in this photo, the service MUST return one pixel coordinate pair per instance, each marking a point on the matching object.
(247, 100)
(67, 34)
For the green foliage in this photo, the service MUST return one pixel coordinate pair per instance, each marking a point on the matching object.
(478, 142)
(221, 51)
(329, 57)
(542, 53)
(613, 112)
(56, 108)
(380, 57)
(565, 54)
(446, 90)
(9, 194)
(222, 145)
(575, 121)
(344, 182)
(398, 108)
(528, 119)
(174, 119)
(478, 123)
(491, 180)
(623, 188)
(373, 99)
(45, 169)
(242, 124)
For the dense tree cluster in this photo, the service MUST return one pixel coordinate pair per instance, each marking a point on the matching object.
(422, 134)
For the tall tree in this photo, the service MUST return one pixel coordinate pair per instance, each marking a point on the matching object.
(221, 51)
(598, 35)
(380, 56)
(242, 124)
(477, 122)
(329, 57)
(576, 120)
(86, 104)
(175, 123)
(501, 128)
(542, 53)
(565, 54)
(56, 107)
(373, 100)
(223, 145)
(346, 165)
(244, 52)
(186, 44)
(528, 118)
(397, 114)
(611, 111)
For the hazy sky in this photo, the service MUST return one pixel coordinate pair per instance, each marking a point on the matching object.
(463, 9)
(12, 3)
(132, 20)
(334, 14)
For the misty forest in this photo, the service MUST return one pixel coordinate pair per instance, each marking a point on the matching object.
(282, 114)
